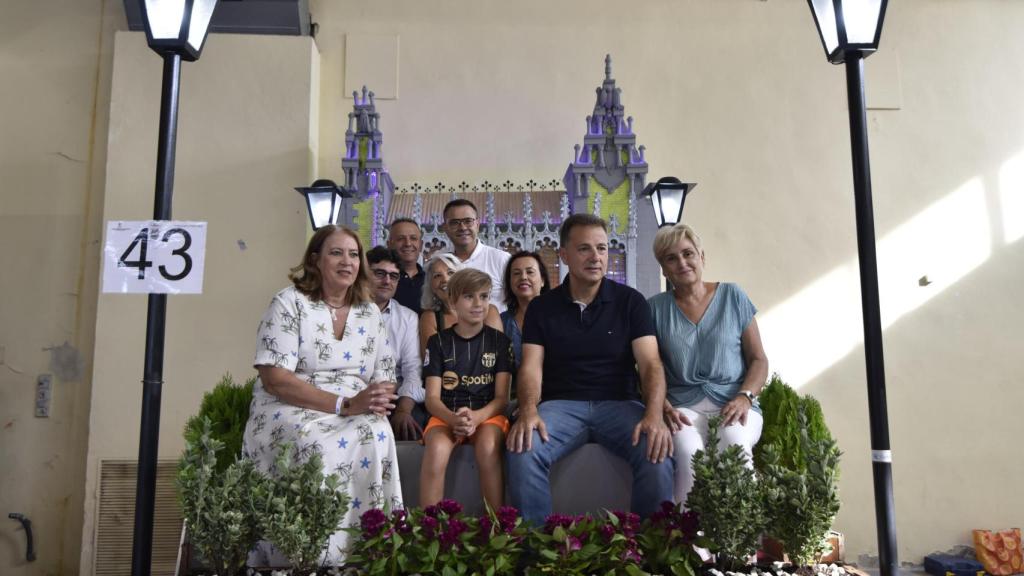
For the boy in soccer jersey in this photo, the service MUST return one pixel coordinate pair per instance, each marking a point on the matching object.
(467, 370)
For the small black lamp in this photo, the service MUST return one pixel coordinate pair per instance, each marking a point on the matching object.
(323, 201)
(668, 195)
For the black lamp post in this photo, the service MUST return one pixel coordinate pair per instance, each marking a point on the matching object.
(668, 195)
(175, 29)
(849, 31)
(323, 201)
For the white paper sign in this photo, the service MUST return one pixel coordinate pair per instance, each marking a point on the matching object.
(154, 257)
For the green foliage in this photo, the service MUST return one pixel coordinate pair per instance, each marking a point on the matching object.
(437, 540)
(580, 545)
(781, 407)
(726, 497)
(802, 505)
(217, 505)
(667, 539)
(300, 508)
(227, 409)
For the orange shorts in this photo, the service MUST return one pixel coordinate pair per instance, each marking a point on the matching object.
(500, 421)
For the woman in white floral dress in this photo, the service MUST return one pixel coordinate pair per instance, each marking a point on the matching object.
(326, 381)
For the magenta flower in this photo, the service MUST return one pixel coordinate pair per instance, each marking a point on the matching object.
(429, 524)
(450, 507)
(371, 522)
(507, 517)
(572, 544)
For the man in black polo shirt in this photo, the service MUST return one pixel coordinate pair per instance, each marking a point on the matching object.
(586, 338)
(406, 238)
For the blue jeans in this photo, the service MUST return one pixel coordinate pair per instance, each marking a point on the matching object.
(571, 424)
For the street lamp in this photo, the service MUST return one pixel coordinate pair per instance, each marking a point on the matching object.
(176, 30)
(668, 195)
(849, 31)
(323, 201)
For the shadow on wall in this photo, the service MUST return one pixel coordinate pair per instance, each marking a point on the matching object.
(918, 260)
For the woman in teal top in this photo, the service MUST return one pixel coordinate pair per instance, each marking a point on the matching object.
(711, 349)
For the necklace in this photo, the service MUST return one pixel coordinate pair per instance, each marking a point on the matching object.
(334, 309)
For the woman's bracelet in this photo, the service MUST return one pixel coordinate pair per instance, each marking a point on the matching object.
(340, 404)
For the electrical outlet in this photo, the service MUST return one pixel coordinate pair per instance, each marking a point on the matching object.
(44, 392)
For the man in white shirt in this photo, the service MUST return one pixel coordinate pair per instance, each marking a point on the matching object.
(462, 226)
(410, 416)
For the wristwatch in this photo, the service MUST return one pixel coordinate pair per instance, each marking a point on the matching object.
(750, 396)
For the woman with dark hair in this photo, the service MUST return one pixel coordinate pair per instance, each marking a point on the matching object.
(438, 313)
(326, 380)
(525, 278)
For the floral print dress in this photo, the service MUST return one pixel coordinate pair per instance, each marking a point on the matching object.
(297, 333)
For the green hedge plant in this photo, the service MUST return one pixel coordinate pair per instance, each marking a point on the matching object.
(726, 498)
(226, 407)
(801, 506)
(781, 408)
(222, 522)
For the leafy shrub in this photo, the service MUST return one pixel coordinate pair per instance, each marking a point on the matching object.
(802, 505)
(222, 522)
(781, 407)
(726, 497)
(300, 508)
(227, 409)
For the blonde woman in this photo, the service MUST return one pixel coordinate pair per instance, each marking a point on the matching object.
(709, 343)
(438, 313)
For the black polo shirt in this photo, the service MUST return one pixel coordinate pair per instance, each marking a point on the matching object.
(588, 353)
(410, 290)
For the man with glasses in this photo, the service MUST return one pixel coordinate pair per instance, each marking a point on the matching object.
(462, 226)
(410, 416)
(406, 238)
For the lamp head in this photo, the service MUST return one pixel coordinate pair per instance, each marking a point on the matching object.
(668, 195)
(177, 26)
(323, 201)
(846, 26)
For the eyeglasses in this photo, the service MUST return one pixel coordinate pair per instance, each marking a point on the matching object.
(461, 222)
(382, 274)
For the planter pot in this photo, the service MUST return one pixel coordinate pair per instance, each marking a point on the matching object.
(773, 551)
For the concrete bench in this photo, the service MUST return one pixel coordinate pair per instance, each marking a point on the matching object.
(588, 480)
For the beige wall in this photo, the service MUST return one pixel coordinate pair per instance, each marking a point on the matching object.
(55, 63)
(738, 97)
(244, 140)
(734, 95)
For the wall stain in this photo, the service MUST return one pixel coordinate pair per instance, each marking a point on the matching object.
(66, 362)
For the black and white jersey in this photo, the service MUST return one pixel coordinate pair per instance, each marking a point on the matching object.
(467, 366)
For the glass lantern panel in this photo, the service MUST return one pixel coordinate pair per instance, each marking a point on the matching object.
(321, 207)
(165, 18)
(861, 17)
(658, 214)
(672, 204)
(202, 12)
(825, 14)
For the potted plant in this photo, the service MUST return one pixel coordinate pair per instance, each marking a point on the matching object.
(726, 497)
(300, 508)
(801, 505)
(788, 418)
(222, 522)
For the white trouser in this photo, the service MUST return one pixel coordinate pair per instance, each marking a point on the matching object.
(692, 438)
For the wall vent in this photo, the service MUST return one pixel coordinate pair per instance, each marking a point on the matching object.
(116, 517)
